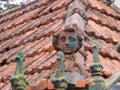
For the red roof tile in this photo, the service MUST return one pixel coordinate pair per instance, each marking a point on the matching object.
(103, 8)
(103, 19)
(30, 28)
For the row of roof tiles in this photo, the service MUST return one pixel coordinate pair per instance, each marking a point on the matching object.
(32, 33)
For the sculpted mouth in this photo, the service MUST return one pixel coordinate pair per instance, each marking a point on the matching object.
(67, 47)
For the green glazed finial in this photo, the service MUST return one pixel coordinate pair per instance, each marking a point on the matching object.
(18, 81)
(59, 80)
(96, 81)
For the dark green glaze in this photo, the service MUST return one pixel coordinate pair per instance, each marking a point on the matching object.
(18, 81)
(96, 81)
(59, 81)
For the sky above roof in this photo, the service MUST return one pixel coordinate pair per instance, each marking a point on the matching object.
(19, 1)
(117, 2)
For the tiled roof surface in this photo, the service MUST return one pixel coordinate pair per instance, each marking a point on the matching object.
(30, 28)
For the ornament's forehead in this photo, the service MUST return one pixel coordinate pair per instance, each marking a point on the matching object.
(67, 34)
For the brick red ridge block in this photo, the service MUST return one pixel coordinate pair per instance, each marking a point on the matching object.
(82, 83)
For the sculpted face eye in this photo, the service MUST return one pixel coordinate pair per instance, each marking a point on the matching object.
(72, 39)
(63, 38)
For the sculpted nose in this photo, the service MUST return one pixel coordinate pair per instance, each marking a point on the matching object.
(67, 43)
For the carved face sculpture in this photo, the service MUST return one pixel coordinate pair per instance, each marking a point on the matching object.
(18, 82)
(67, 41)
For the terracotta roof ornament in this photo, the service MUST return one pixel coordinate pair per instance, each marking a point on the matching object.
(69, 42)
(18, 81)
(96, 81)
(68, 38)
(60, 81)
